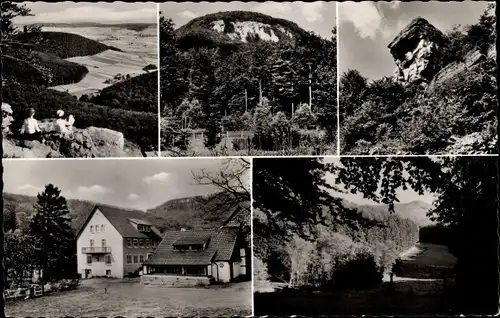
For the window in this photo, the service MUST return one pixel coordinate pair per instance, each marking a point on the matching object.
(149, 255)
(107, 259)
(129, 259)
(135, 242)
(97, 228)
(136, 259)
(147, 243)
(102, 228)
(91, 243)
(108, 272)
(172, 270)
(141, 258)
(141, 242)
(129, 242)
(154, 243)
(139, 227)
(97, 258)
(195, 270)
(103, 242)
(89, 259)
(91, 229)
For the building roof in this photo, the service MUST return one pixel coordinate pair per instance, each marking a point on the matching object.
(120, 219)
(220, 247)
(196, 237)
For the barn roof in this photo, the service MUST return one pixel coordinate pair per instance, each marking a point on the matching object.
(220, 247)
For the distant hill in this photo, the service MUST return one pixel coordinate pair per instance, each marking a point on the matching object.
(64, 45)
(188, 213)
(414, 211)
(232, 28)
(131, 26)
(138, 93)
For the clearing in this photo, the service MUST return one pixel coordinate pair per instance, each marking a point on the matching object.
(129, 298)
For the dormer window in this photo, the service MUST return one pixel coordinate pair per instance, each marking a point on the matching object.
(189, 243)
(143, 228)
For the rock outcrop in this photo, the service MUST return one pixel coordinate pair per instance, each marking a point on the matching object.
(416, 52)
(91, 142)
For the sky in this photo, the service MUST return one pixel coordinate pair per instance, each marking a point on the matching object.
(129, 183)
(404, 196)
(102, 12)
(318, 17)
(366, 28)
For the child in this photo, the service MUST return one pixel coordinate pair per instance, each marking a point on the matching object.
(30, 129)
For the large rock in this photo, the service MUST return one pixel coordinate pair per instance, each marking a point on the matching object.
(416, 52)
(107, 142)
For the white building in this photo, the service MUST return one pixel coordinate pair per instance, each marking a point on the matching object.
(114, 242)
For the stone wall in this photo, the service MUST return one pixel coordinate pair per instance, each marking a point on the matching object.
(174, 281)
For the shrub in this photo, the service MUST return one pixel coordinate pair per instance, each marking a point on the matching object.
(361, 272)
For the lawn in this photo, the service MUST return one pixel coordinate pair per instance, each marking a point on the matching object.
(129, 298)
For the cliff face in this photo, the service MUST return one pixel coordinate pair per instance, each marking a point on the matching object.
(416, 52)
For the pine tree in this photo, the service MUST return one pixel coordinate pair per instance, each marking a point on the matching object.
(51, 230)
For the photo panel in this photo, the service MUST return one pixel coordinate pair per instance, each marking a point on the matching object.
(129, 238)
(80, 80)
(375, 236)
(417, 79)
(248, 79)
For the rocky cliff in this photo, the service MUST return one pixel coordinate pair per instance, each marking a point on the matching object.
(416, 52)
(90, 142)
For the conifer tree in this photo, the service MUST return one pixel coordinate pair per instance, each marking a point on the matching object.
(53, 236)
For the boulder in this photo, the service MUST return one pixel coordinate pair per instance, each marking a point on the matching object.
(107, 142)
(416, 52)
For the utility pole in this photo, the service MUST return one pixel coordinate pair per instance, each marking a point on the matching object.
(260, 91)
(310, 86)
(246, 100)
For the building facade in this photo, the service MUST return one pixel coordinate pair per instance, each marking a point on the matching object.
(198, 257)
(114, 242)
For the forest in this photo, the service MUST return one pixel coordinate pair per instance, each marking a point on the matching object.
(290, 196)
(258, 86)
(383, 117)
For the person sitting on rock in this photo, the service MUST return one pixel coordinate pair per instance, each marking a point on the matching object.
(62, 124)
(30, 129)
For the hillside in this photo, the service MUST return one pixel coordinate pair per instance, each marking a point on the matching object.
(224, 68)
(237, 27)
(442, 98)
(131, 26)
(64, 45)
(139, 93)
(172, 215)
(414, 211)
(138, 127)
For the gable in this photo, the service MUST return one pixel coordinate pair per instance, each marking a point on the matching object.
(97, 223)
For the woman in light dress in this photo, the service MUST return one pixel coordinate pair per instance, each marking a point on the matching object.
(63, 125)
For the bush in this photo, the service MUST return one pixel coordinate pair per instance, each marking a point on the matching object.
(361, 272)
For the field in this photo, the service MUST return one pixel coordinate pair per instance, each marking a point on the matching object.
(138, 50)
(129, 298)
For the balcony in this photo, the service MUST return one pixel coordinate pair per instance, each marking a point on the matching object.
(96, 250)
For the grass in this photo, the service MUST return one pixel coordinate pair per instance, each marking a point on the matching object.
(378, 301)
(129, 298)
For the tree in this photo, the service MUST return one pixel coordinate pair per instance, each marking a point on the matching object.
(50, 227)
(11, 10)
(18, 255)
(466, 204)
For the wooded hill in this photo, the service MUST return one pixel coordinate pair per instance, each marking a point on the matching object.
(190, 213)
(220, 78)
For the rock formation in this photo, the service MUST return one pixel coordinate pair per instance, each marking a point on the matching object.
(416, 52)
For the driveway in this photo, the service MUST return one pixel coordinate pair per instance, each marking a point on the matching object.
(129, 298)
